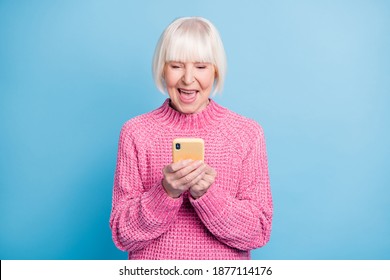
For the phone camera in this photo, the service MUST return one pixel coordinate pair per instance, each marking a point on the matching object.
(177, 146)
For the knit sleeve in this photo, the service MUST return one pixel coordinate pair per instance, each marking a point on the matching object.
(137, 216)
(243, 221)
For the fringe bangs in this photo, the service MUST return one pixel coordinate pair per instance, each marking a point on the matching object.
(189, 47)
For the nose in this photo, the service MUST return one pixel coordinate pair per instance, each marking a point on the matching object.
(188, 77)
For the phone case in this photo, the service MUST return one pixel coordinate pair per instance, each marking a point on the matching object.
(187, 148)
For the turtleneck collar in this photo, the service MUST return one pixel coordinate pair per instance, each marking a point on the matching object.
(170, 118)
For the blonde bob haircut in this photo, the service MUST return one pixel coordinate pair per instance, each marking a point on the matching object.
(190, 39)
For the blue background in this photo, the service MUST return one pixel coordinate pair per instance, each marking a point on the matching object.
(315, 74)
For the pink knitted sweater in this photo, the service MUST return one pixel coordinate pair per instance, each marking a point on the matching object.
(233, 217)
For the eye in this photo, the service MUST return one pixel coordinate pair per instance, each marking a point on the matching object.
(201, 66)
(175, 65)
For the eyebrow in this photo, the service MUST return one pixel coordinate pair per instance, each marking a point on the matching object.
(184, 62)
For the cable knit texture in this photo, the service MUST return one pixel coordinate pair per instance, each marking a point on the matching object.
(231, 218)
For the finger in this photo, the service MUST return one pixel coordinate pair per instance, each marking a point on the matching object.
(200, 185)
(207, 181)
(182, 173)
(211, 171)
(194, 176)
(197, 179)
(174, 167)
(199, 189)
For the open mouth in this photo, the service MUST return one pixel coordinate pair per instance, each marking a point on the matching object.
(187, 96)
(187, 91)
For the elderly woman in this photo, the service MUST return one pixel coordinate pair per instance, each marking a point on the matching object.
(219, 208)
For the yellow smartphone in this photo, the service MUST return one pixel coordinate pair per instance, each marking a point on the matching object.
(187, 148)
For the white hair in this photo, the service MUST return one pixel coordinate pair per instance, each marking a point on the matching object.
(190, 39)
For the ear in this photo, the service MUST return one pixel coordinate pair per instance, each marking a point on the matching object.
(163, 72)
(163, 82)
(216, 73)
(163, 76)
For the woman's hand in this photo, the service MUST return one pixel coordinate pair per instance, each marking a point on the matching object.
(201, 187)
(181, 176)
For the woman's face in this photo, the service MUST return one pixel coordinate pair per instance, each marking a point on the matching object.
(189, 85)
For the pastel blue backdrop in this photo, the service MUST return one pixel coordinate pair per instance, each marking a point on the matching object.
(315, 74)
